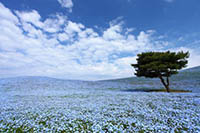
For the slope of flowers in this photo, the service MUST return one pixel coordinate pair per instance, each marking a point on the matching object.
(101, 110)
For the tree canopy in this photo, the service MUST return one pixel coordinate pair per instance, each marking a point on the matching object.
(160, 64)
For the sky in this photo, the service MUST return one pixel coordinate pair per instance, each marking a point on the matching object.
(92, 39)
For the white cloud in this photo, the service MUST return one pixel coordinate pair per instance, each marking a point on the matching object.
(63, 37)
(70, 50)
(66, 4)
(6, 14)
(113, 33)
(73, 27)
(54, 24)
(32, 17)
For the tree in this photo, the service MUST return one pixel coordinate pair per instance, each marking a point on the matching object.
(160, 65)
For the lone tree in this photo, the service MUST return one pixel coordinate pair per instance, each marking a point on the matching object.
(160, 65)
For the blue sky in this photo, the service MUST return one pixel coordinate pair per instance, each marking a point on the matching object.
(90, 39)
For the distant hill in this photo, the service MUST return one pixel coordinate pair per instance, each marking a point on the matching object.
(193, 69)
(37, 82)
(27, 83)
(188, 79)
(189, 73)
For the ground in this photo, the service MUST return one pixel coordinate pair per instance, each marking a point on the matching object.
(69, 110)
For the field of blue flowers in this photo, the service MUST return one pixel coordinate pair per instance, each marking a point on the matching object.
(87, 110)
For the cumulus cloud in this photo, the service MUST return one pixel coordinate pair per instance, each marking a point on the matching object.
(32, 17)
(113, 33)
(59, 47)
(54, 23)
(7, 15)
(66, 4)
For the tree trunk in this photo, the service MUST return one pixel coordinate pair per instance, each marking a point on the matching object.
(165, 84)
(168, 89)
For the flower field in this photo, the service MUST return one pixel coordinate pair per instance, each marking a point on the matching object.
(86, 110)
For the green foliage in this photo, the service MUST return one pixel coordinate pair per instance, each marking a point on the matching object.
(155, 64)
(160, 64)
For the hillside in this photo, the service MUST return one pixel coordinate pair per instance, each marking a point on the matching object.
(188, 79)
(190, 73)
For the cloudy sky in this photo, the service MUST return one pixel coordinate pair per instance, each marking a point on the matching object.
(92, 39)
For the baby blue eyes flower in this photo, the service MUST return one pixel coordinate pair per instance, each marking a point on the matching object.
(99, 111)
